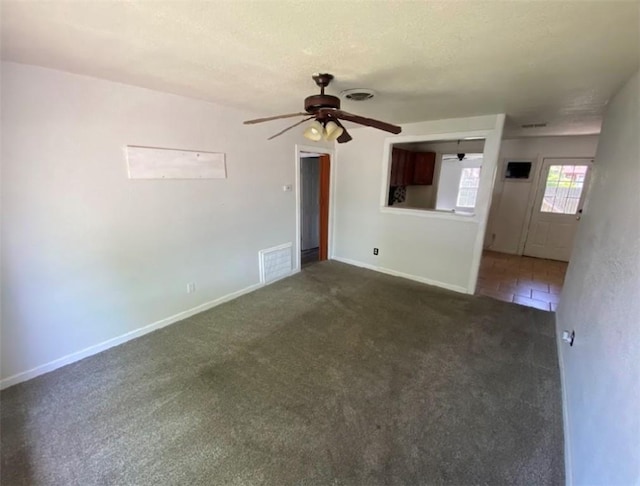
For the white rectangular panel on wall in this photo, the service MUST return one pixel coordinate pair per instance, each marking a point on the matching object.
(162, 163)
(275, 263)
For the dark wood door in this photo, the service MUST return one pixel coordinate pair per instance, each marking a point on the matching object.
(325, 171)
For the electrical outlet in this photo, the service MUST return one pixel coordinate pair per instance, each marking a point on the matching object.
(191, 287)
(375, 251)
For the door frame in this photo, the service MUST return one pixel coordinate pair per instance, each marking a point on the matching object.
(332, 193)
(533, 194)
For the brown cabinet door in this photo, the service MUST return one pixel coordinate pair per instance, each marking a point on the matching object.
(424, 166)
(402, 167)
(402, 164)
(395, 166)
(407, 172)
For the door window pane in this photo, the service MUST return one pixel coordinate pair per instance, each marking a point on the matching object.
(563, 189)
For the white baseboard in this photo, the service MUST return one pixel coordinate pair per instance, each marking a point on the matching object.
(568, 472)
(97, 348)
(395, 273)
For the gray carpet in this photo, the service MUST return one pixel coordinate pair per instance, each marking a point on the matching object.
(336, 376)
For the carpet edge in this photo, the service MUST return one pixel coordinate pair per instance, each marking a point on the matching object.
(123, 338)
(408, 276)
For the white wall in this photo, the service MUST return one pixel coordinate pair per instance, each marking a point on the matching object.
(89, 255)
(439, 248)
(422, 197)
(601, 302)
(512, 200)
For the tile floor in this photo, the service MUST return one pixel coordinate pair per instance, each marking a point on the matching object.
(533, 282)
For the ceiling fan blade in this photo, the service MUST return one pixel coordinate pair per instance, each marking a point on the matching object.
(345, 137)
(260, 120)
(289, 128)
(361, 120)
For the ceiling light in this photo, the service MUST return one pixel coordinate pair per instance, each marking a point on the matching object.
(314, 131)
(332, 131)
(358, 94)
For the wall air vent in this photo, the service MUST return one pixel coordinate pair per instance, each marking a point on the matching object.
(275, 263)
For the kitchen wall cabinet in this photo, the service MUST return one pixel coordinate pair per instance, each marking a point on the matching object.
(401, 167)
(411, 168)
(423, 167)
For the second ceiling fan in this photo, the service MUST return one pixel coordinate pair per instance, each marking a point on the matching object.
(324, 110)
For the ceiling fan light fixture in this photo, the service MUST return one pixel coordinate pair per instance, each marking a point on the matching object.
(314, 131)
(332, 131)
(327, 115)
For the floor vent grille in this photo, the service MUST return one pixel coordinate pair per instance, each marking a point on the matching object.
(275, 263)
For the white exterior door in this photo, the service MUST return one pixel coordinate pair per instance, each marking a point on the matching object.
(557, 209)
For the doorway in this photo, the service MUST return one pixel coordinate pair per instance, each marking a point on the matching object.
(534, 275)
(315, 170)
(557, 208)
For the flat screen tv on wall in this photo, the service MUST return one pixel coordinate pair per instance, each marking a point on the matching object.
(517, 170)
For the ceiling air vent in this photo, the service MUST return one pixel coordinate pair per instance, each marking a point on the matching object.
(534, 125)
(358, 94)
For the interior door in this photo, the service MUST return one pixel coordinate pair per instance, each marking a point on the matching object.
(558, 207)
(325, 171)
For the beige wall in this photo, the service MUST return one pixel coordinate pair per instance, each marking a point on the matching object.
(89, 255)
(601, 302)
(437, 248)
(512, 200)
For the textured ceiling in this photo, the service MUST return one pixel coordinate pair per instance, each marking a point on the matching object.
(555, 62)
